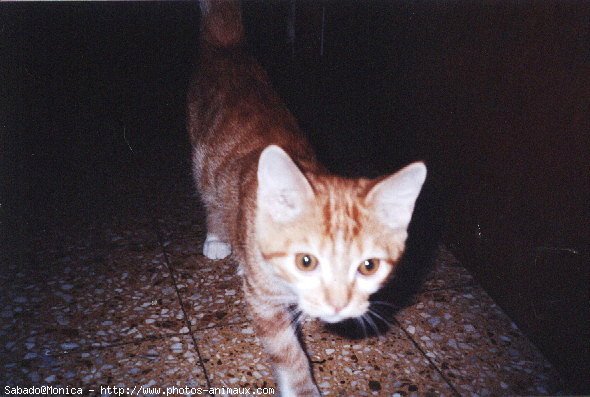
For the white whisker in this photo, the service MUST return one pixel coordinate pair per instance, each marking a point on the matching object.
(361, 321)
(295, 319)
(372, 324)
(380, 317)
(383, 303)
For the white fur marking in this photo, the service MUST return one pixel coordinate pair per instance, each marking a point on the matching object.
(284, 382)
(214, 248)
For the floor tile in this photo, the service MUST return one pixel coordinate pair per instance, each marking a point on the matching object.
(447, 273)
(383, 365)
(375, 366)
(211, 291)
(476, 345)
(163, 363)
(233, 357)
(91, 301)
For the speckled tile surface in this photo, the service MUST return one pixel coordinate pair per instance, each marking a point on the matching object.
(154, 363)
(476, 345)
(383, 365)
(124, 296)
(119, 301)
(233, 357)
(447, 272)
(211, 291)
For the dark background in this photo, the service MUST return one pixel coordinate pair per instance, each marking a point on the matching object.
(494, 96)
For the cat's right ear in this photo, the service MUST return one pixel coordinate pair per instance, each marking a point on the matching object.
(283, 190)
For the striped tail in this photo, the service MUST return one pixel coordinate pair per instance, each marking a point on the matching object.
(221, 23)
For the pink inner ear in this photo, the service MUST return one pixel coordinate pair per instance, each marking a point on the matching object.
(394, 197)
(283, 190)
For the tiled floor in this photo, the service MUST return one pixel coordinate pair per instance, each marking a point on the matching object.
(129, 300)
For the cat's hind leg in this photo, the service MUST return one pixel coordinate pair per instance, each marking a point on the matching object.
(216, 244)
(214, 248)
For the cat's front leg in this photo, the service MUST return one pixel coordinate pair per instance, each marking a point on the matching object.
(289, 361)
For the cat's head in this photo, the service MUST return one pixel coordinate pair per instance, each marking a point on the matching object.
(332, 241)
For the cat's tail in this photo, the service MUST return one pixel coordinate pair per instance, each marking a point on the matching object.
(221, 23)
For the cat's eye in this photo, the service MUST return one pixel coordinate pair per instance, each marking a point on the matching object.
(368, 267)
(306, 262)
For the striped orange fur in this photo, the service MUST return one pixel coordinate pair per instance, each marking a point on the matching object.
(306, 241)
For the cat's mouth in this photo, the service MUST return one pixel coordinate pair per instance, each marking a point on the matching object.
(322, 315)
(329, 314)
(333, 318)
(330, 317)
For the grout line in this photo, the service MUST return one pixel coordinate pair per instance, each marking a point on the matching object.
(173, 280)
(117, 343)
(452, 386)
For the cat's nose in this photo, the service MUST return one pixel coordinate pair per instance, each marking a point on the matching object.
(337, 298)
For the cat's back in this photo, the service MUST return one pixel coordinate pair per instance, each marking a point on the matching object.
(232, 110)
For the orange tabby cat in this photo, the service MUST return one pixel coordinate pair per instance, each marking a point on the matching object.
(306, 241)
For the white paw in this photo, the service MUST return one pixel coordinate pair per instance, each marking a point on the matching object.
(215, 248)
(287, 390)
(240, 271)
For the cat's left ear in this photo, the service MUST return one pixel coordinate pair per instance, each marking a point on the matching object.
(394, 197)
(283, 190)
